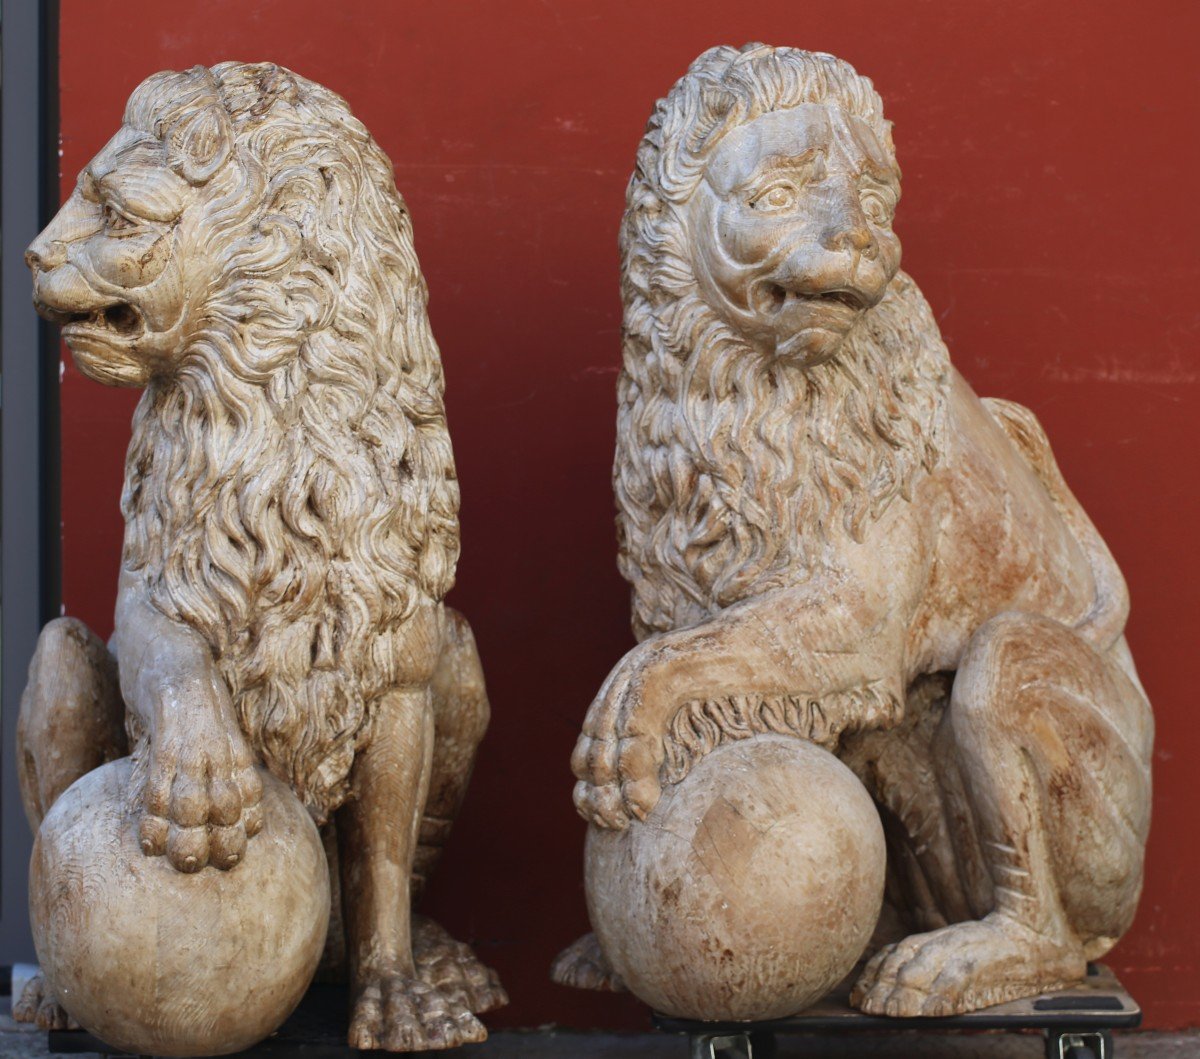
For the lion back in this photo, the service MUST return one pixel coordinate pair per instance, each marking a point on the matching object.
(1105, 621)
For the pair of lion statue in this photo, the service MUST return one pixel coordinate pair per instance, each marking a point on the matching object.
(814, 509)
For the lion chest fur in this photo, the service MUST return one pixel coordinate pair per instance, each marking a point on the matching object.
(308, 557)
(732, 473)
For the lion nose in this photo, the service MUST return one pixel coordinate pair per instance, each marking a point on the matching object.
(44, 254)
(855, 236)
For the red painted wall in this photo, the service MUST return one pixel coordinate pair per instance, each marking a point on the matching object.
(1050, 213)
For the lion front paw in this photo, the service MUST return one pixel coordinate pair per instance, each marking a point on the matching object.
(618, 755)
(451, 967)
(201, 796)
(618, 778)
(399, 1013)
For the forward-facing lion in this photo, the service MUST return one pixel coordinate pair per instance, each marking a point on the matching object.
(239, 249)
(829, 534)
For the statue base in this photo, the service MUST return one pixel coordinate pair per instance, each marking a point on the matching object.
(1076, 1023)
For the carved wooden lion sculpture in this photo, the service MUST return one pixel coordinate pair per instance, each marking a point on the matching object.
(239, 249)
(829, 535)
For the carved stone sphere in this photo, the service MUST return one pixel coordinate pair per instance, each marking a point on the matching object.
(749, 891)
(157, 962)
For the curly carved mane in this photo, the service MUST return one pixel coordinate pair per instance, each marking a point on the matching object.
(733, 470)
(290, 489)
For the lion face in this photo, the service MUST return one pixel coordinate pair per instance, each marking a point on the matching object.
(107, 268)
(791, 229)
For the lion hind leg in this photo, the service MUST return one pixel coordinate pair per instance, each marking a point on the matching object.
(1054, 742)
(71, 721)
(71, 716)
(460, 718)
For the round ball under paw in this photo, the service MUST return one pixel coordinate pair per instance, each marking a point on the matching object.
(749, 891)
(157, 962)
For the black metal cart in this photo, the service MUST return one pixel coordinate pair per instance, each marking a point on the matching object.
(1077, 1023)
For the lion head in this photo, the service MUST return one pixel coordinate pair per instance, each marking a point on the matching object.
(782, 378)
(239, 248)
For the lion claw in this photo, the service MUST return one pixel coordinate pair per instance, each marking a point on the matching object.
(603, 799)
(964, 967)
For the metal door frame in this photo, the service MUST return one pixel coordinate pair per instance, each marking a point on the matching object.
(30, 537)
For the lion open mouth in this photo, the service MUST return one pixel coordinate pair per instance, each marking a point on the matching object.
(850, 299)
(120, 317)
(776, 297)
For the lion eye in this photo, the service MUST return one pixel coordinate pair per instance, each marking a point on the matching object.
(115, 220)
(778, 197)
(876, 207)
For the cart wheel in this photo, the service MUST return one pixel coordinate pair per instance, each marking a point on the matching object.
(750, 1044)
(721, 1046)
(1088, 1044)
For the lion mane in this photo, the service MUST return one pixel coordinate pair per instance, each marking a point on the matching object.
(290, 489)
(733, 469)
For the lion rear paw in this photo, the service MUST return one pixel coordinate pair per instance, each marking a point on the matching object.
(581, 965)
(38, 1006)
(965, 967)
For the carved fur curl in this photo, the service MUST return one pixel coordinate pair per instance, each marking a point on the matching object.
(732, 469)
(698, 728)
(290, 489)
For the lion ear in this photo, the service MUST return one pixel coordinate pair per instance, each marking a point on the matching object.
(715, 104)
(888, 141)
(198, 144)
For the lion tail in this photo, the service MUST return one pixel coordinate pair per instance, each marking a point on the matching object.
(1105, 620)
